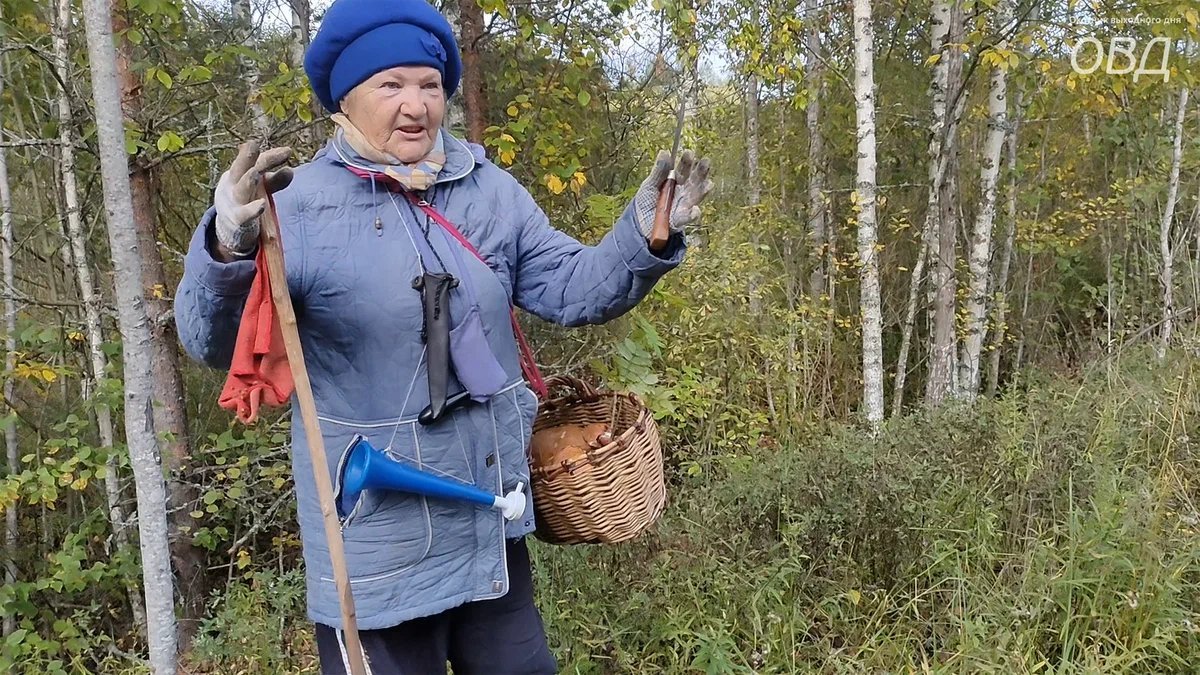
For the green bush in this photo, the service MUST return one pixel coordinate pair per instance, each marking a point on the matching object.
(258, 626)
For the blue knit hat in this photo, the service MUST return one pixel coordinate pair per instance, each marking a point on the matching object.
(359, 38)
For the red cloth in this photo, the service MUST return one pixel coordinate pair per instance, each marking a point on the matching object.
(259, 373)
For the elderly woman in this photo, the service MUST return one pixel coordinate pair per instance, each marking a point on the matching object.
(434, 581)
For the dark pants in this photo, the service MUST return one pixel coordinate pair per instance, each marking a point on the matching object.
(490, 637)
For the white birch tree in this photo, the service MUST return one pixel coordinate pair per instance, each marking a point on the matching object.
(1006, 256)
(244, 18)
(980, 257)
(12, 454)
(864, 188)
(77, 255)
(910, 321)
(1167, 263)
(136, 339)
(813, 82)
(941, 355)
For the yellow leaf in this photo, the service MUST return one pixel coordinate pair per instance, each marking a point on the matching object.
(49, 375)
(932, 60)
(158, 291)
(512, 111)
(555, 184)
(507, 156)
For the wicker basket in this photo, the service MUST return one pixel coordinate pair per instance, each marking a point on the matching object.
(608, 494)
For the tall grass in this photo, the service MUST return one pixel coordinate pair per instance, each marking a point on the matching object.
(1053, 530)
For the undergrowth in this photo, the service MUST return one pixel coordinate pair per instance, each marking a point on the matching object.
(1051, 530)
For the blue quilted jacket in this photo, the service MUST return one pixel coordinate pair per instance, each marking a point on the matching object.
(350, 264)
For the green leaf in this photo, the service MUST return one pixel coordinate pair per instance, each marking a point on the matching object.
(196, 74)
(164, 78)
(584, 98)
(170, 142)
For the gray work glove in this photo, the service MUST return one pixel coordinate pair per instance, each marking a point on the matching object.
(235, 198)
(692, 186)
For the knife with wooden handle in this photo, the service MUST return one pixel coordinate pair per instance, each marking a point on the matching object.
(666, 196)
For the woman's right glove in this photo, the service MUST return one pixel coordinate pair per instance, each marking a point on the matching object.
(237, 208)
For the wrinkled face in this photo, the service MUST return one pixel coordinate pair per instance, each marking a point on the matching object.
(399, 110)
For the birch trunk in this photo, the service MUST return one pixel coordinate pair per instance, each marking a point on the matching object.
(864, 185)
(752, 142)
(1006, 259)
(754, 178)
(244, 18)
(941, 201)
(169, 415)
(980, 259)
(939, 49)
(816, 153)
(1167, 270)
(76, 254)
(910, 320)
(301, 36)
(753, 173)
(12, 453)
(301, 13)
(135, 334)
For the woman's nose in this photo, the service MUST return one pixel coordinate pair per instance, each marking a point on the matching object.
(411, 104)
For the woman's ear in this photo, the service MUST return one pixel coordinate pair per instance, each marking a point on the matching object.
(347, 104)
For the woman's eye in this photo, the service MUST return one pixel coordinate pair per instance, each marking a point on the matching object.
(433, 86)
(391, 85)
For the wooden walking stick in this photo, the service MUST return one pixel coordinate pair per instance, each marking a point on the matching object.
(273, 248)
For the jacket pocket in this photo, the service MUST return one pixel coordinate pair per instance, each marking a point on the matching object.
(385, 531)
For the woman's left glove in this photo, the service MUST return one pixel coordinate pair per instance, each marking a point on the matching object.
(692, 186)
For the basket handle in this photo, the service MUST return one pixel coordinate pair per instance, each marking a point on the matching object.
(582, 389)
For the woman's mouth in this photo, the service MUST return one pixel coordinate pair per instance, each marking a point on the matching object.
(412, 131)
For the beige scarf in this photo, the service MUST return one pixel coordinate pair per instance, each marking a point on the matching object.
(418, 176)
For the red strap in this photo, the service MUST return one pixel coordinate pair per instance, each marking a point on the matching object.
(528, 362)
